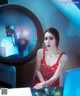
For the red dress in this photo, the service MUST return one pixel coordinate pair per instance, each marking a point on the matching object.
(48, 71)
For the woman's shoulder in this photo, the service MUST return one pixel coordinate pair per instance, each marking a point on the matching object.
(61, 52)
(40, 50)
(63, 56)
(40, 53)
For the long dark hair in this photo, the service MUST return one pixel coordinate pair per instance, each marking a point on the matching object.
(55, 33)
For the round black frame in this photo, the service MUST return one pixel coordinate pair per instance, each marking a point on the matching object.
(39, 29)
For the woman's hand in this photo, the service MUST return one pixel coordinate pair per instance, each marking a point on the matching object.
(39, 86)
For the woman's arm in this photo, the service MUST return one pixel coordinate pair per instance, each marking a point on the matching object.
(38, 64)
(62, 63)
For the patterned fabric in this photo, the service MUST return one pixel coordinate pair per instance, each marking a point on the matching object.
(48, 71)
(48, 91)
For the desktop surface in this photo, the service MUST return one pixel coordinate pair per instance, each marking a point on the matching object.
(16, 92)
(48, 91)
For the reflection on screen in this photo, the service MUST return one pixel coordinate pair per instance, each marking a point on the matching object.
(17, 34)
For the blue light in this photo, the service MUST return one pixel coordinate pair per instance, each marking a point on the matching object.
(12, 27)
(72, 83)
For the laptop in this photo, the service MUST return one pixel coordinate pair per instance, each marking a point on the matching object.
(72, 83)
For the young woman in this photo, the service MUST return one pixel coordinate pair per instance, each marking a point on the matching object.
(50, 61)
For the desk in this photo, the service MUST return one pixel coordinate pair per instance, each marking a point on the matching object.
(16, 92)
(27, 91)
(52, 91)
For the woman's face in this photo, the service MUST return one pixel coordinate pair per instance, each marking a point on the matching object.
(49, 40)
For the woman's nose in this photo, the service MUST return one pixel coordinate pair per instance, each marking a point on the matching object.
(48, 40)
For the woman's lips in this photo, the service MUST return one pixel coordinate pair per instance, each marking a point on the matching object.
(48, 45)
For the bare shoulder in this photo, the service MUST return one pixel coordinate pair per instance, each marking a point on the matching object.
(64, 57)
(39, 52)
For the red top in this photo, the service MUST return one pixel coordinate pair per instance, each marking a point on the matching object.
(48, 71)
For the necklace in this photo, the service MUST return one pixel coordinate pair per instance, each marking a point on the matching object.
(51, 55)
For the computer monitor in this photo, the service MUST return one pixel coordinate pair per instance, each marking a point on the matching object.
(72, 83)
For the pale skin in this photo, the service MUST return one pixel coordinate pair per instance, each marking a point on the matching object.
(3, 48)
(3, 51)
(51, 56)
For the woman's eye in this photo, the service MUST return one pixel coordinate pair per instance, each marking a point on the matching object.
(50, 38)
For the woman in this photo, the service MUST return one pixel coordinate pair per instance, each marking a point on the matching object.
(50, 61)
